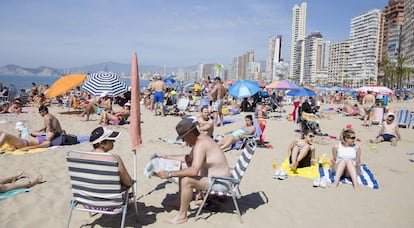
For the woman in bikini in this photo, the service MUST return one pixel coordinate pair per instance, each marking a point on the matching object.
(120, 116)
(301, 152)
(18, 143)
(237, 135)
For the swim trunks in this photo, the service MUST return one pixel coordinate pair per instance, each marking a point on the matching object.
(218, 105)
(387, 137)
(219, 185)
(158, 97)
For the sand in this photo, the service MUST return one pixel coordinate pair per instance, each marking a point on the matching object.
(266, 202)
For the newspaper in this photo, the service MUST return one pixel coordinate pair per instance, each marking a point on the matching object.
(156, 164)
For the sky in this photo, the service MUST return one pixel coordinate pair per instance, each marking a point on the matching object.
(179, 33)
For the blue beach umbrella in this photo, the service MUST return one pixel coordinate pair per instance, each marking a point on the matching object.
(303, 92)
(169, 82)
(244, 88)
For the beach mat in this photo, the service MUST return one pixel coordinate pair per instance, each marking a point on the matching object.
(4, 195)
(366, 177)
(308, 172)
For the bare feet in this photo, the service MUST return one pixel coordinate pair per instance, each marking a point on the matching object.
(394, 143)
(18, 176)
(293, 166)
(36, 180)
(178, 219)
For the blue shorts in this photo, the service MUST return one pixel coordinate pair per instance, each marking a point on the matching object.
(158, 96)
(387, 137)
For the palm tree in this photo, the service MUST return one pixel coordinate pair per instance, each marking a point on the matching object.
(400, 69)
(388, 68)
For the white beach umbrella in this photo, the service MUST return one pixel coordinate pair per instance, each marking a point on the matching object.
(97, 83)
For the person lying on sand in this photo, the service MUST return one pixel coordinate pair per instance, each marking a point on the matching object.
(18, 181)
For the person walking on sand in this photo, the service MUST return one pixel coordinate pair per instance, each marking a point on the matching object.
(18, 181)
(158, 88)
(204, 160)
(217, 95)
(368, 103)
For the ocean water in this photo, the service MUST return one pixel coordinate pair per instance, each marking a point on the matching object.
(25, 82)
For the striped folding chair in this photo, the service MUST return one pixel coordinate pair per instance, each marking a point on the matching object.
(234, 181)
(404, 118)
(96, 185)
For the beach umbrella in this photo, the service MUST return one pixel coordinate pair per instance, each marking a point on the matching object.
(375, 89)
(283, 84)
(313, 88)
(96, 83)
(169, 82)
(244, 88)
(64, 84)
(303, 92)
(135, 116)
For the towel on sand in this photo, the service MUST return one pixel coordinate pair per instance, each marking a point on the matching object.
(4, 195)
(308, 172)
(8, 149)
(366, 177)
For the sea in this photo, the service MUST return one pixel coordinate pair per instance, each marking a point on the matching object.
(25, 82)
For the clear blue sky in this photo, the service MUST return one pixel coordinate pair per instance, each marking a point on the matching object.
(63, 33)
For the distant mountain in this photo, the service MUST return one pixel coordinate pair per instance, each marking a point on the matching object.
(120, 68)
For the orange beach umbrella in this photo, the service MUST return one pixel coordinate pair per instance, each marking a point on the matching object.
(64, 84)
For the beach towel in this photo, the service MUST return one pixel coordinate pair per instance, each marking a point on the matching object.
(229, 121)
(4, 195)
(8, 149)
(82, 138)
(172, 140)
(308, 172)
(366, 177)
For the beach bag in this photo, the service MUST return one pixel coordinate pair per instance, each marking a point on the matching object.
(64, 139)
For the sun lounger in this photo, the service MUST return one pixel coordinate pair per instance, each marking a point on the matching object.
(404, 118)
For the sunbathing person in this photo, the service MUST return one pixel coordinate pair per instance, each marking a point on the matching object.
(389, 131)
(346, 158)
(18, 181)
(120, 116)
(16, 106)
(204, 160)
(301, 152)
(237, 135)
(17, 143)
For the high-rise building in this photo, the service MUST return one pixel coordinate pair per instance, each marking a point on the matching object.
(240, 68)
(298, 33)
(273, 56)
(364, 48)
(407, 37)
(312, 58)
(392, 20)
(338, 63)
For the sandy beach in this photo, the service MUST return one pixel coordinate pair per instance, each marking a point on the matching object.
(266, 202)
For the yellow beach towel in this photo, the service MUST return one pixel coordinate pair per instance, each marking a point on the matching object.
(8, 149)
(308, 172)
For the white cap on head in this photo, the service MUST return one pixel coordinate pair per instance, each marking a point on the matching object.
(102, 133)
(391, 114)
(104, 94)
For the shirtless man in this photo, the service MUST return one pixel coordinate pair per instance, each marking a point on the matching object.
(217, 94)
(51, 126)
(389, 131)
(205, 123)
(368, 103)
(205, 159)
(158, 88)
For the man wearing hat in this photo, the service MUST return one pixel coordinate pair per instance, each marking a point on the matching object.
(196, 175)
(389, 131)
(217, 95)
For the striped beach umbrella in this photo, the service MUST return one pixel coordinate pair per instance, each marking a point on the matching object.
(97, 83)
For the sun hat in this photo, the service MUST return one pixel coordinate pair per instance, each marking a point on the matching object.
(102, 133)
(391, 114)
(184, 127)
(127, 104)
(104, 94)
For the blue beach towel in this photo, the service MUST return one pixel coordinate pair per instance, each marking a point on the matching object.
(82, 138)
(229, 120)
(366, 177)
(13, 192)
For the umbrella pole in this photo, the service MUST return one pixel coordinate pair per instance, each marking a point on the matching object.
(135, 172)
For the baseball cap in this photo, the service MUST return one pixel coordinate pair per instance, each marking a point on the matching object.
(184, 127)
(102, 133)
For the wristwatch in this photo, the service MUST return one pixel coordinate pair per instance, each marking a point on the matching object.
(169, 174)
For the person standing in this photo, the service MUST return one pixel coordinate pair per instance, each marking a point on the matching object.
(368, 103)
(217, 95)
(158, 88)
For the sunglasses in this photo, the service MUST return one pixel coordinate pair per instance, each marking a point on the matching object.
(351, 137)
(390, 119)
(312, 136)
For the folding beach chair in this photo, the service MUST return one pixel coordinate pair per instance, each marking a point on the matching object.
(96, 185)
(377, 115)
(234, 181)
(404, 118)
